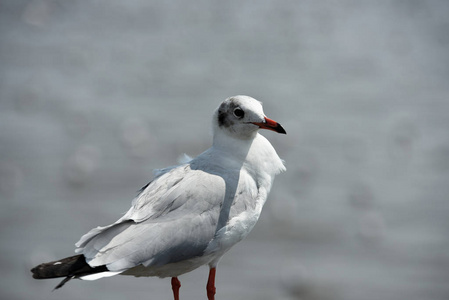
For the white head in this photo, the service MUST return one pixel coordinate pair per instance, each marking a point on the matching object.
(241, 117)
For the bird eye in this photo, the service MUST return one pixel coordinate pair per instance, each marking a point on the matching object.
(239, 113)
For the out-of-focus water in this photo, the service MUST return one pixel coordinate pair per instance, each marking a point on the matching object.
(94, 95)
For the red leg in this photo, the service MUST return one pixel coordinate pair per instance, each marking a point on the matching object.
(175, 285)
(210, 288)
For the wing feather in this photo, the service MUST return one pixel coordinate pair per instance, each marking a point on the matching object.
(172, 219)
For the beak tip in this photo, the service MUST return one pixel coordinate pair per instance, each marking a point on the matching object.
(280, 129)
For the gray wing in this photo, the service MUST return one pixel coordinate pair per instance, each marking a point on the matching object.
(174, 218)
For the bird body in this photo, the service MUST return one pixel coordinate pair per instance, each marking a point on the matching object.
(191, 214)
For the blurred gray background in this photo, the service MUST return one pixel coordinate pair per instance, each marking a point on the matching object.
(94, 95)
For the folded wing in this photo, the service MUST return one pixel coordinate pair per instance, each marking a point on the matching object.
(174, 218)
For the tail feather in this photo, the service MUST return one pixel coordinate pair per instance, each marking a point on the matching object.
(64, 281)
(69, 267)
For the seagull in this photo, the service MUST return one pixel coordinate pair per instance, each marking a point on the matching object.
(189, 215)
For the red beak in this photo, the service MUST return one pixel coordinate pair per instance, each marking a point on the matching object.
(271, 125)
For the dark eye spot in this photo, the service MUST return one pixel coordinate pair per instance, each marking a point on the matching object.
(239, 113)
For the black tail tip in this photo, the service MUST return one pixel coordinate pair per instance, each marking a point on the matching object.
(36, 272)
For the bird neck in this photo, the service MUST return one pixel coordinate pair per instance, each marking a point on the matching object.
(231, 145)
